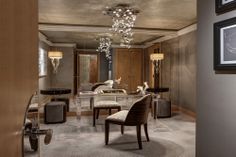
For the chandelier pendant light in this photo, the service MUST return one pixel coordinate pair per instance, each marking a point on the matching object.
(123, 18)
(55, 57)
(105, 46)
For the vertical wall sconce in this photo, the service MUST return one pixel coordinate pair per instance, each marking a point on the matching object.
(156, 57)
(55, 57)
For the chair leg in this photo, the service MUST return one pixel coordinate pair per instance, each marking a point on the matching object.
(91, 101)
(146, 131)
(98, 113)
(138, 128)
(94, 115)
(122, 129)
(155, 110)
(106, 132)
(109, 111)
(119, 108)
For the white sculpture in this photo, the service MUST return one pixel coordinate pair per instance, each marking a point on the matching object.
(111, 82)
(145, 86)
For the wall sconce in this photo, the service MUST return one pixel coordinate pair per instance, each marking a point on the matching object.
(156, 57)
(55, 57)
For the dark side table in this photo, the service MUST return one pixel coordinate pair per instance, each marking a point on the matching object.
(57, 91)
(162, 107)
(55, 111)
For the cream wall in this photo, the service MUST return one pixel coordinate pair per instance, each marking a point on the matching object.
(179, 71)
(65, 75)
(216, 98)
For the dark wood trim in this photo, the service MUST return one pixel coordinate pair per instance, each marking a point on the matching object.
(175, 108)
(217, 45)
(220, 8)
(88, 52)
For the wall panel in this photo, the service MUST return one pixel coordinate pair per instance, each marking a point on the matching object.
(178, 70)
(129, 66)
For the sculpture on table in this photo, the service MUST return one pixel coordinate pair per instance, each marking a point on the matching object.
(111, 83)
(142, 89)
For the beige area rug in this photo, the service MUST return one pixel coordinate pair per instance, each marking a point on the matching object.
(170, 137)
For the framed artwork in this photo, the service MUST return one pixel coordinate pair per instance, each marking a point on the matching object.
(42, 62)
(223, 6)
(225, 45)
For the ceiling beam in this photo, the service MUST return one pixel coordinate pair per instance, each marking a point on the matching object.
(100, 29)
(183, 31)
(131, 46)
(43, 38)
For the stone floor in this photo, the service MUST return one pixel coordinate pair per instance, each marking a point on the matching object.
(170, 137)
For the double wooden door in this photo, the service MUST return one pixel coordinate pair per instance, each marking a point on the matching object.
(129, 66)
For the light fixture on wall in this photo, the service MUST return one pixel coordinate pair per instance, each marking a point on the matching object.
(105, 46)
(156, 57)
(55, 57)
(123, 18)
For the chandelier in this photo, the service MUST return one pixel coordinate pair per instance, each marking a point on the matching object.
(123, 18)
(104, 46)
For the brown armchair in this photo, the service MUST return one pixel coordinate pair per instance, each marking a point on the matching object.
(136, 116)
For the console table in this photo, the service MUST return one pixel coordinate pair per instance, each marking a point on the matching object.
(55, 91)
(164, 108)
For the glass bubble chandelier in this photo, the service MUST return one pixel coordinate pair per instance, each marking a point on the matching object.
(123, 18)
(105, 46)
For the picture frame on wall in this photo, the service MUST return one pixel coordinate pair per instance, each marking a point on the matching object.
(225, 45)
(222, 6)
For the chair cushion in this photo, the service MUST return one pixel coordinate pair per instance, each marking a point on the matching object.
(119, 116)
(106, 104)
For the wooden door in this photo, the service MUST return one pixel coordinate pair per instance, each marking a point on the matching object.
(128, 66)
(122, 67)
(136, 65)
(18, 70)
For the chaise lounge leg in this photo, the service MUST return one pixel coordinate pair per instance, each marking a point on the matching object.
(122, 129)
(106, 132)
(138, 128)
(94, 115)
(155, 110)
(146, 131)
(98, 113)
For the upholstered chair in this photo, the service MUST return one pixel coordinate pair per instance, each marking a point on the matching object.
(103, 102)
(136, 116)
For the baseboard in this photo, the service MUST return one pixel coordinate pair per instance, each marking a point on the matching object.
(175, 108)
